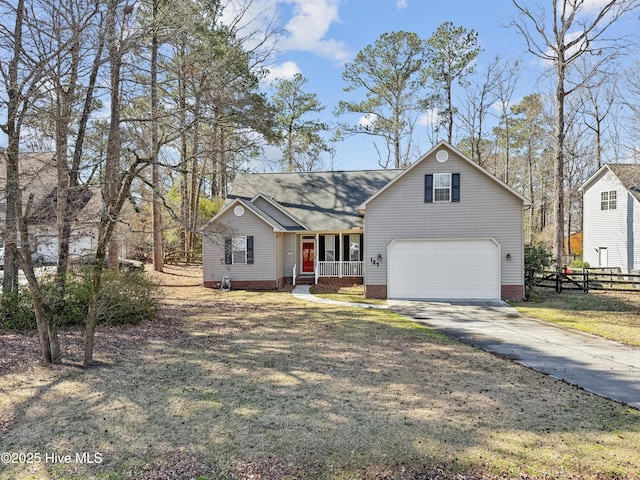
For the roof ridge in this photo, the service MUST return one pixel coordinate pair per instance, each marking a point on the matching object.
(325, 171)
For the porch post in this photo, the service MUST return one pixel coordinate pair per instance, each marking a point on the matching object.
(341, 256)
(316, 257)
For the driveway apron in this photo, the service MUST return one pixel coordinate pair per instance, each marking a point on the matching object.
(598, 365)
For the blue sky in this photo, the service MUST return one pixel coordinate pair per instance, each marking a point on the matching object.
(320, 35)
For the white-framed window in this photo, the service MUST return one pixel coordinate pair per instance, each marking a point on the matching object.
(609, 200)
(239, 250)
(441, 187)
(330, 248)
(354, 248)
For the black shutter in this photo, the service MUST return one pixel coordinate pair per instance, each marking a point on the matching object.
(361, 247)
(321, 247)
(338, 247)
(428, 188)
(250, 249)
(228, 257)
(347, 250)
(455, 187)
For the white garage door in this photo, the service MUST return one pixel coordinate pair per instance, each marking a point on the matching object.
(443, 269)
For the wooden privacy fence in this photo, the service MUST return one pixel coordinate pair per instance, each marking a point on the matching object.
(181, 257)
(591, 279)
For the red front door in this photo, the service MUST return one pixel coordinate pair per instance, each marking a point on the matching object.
(308, 257)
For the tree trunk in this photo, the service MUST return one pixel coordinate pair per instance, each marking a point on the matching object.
(112, 161)
(532, 208)
(12, 130)
(92, 315)
(558, 192)
(158, 257)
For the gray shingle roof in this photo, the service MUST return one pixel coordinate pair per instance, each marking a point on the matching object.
(319, 200)
(629, 175)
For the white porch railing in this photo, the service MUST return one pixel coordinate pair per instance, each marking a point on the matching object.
(339, 269)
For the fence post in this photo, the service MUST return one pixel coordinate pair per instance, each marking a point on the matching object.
(586, 280)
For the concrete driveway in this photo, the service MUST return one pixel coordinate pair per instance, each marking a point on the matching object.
(599, 366)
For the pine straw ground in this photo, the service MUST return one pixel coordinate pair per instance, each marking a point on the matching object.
(240, 385)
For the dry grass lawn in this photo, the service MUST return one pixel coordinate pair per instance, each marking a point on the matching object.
(238, 385)
(609, 314)
(352, 294)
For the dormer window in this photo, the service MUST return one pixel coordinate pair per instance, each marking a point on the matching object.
(609, 200)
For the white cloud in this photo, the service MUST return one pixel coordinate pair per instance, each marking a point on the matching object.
(400, 4)
(430, 117)
(591, 5)
(368, 120)
(284, 70)
(310, 23)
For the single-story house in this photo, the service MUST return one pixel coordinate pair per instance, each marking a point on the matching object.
(611, 217)
(38, 180)
(444, 228)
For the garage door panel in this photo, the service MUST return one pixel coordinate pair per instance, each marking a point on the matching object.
(439, 269)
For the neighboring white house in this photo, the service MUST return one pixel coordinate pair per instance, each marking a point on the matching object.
(611, 217)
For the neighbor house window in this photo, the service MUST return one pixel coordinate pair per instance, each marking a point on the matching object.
(608, 200)
(354, 248)
(238, 250)
(330, 248)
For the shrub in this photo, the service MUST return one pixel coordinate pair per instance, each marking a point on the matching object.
(536, 259)
(16, 311)
(125, 298)
(579, 263)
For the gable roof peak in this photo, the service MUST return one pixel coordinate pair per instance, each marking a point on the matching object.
(444, 144)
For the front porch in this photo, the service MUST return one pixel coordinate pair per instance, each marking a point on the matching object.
(340, 269)
(329, 256)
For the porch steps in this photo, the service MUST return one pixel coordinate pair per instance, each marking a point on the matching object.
(305, 280)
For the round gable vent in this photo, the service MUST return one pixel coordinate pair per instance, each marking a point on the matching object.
(442, 156)
(239, 211)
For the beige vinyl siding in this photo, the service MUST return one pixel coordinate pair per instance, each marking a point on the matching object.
(486, 210)
(275, 213)
(290, 253)
(610, 228)
(279, 263)
(264, 249)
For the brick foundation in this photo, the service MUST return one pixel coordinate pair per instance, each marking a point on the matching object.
(512, 292)
(375, 291)
(509, 292)
(340, 282)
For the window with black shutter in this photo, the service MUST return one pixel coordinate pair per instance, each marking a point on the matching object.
(238, 250)
(455, 187)
(228, 259)
(428, 188)
(250, 249)
(442, 187)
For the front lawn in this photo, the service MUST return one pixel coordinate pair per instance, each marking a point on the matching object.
(241, 385)
(352, 294)
(613, 315)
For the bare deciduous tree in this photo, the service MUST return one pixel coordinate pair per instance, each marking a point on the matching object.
(560, 36)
